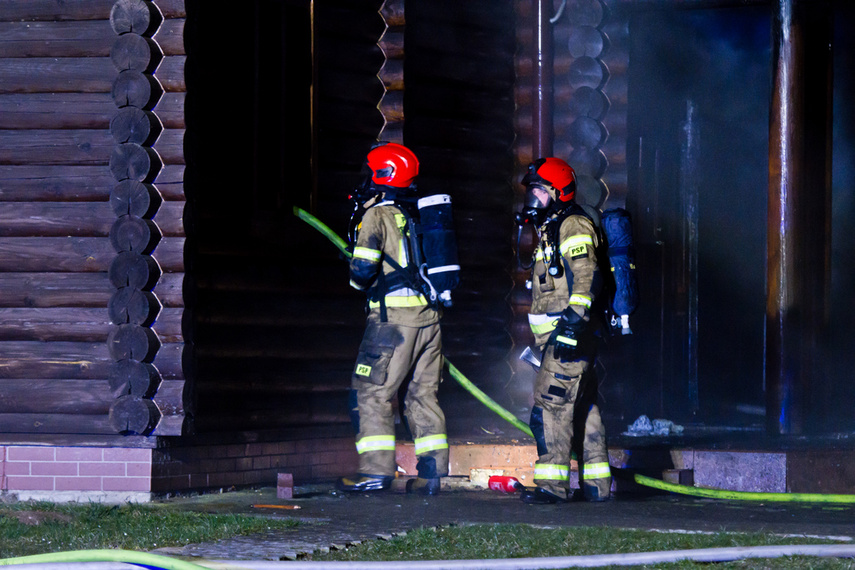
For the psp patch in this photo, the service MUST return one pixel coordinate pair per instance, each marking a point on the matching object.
(578, 251)
(363, 370)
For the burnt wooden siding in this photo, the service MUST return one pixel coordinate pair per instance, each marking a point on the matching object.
(91, 219)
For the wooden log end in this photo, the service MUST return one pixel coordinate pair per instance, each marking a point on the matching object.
(132, 415)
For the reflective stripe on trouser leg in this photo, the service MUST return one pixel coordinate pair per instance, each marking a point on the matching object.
(421, 408)
(543, 471)
(376, 439)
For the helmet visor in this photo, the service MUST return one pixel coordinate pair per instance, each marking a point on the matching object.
(537, 197)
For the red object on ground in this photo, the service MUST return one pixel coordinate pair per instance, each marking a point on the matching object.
(504, 483)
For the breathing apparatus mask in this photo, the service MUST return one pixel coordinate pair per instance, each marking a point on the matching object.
(536, 205)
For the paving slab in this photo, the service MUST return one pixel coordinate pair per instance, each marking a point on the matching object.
(330, 519)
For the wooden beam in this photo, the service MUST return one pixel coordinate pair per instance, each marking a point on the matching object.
(76, 360)
(77, 254)
(42, 219)
(46, 290)
(77, 146)
(78, 74)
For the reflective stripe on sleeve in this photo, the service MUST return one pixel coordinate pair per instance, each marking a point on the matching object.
(583, 300)
(576, 245)
(356, 286)
(552, 472)
(376, 443)
(541, 324)
(596, 471)
(367, 254)
(431, 443)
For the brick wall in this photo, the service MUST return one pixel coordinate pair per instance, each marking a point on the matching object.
(184, 467)
(113, 474)
(69, 473)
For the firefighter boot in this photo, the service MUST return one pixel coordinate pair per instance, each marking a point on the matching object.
(364, 483)
(539, 496)
(423, 486)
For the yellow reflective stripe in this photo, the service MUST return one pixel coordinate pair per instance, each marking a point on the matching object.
(401, 302)
(584, 300)
(367, 254)
(541, 324)
(566, 340)
(596, 471)
(554, 472)
(576, 245)
(356, 285)
(376, 443)
(431, 443)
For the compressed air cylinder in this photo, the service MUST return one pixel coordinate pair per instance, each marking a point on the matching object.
(439, 244)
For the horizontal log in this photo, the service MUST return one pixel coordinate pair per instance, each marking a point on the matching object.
(135, 198)
(134, 17)
(392, 44)
(42, 423)
(129, 305)
(77, 254)
(133, 125)
(134, 270)
(77, 111)
(51, 10)
(31, 396)
(93, 38)
(70, 183)
(133, 342)
(134, 415)
(135, 378)
(81, 219)
(392, 74)
(78, 75)
(77, 147)
(44, 290)
(393, 13)
(133, 52)
(134, 234)
(76, 324)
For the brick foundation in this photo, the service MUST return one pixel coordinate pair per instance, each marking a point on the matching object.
(117, 475)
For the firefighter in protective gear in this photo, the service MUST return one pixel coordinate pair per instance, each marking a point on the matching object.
(565, 282)
(402, 339)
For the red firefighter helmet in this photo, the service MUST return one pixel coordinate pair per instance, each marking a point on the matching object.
(393, 164)
(555, 173)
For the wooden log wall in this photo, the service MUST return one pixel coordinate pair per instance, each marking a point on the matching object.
(392, 72)
(91, 218)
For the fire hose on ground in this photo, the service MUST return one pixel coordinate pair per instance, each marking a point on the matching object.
(637, 478)
(128, 559)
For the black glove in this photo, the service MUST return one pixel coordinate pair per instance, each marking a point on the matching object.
(566, 335)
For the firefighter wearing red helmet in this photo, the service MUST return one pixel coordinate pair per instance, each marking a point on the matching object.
(402, 339)
(565, 282)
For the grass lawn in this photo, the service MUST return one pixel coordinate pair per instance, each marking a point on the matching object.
(36, 528)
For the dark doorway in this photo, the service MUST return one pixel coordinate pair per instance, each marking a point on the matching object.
(698, 156)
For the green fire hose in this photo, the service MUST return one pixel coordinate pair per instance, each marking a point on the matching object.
(639, 479)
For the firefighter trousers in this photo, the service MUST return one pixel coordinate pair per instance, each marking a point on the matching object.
(389, 355)
(565, 403)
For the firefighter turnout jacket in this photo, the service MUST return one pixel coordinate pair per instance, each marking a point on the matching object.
(565, 277)
(402, 337)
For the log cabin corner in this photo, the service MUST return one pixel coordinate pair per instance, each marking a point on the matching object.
(168, 325)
